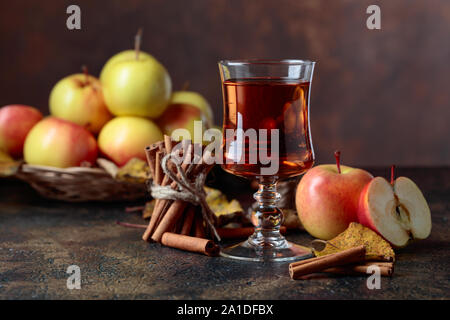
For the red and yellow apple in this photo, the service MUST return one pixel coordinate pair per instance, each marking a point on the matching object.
(79, 98)
(60, 143)
(181, 116)
(194, 99)
(15, 123)
(397, 211)
(124, 138)
(135, 85)
(327, 198)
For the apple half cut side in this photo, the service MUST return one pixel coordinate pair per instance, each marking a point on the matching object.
(398, 212)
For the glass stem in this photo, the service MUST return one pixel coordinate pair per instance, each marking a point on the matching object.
(267, 232)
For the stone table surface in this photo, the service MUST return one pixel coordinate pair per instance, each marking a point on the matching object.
(40, 238)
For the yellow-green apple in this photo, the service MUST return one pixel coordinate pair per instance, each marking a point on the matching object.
(196, 100)
(182, 116)
(327, 198)
(124, 138)
(79, 98)
(397, 210)
(120, 57)
(60, 143)
(137, 86)
(15, 123)
(135, 83)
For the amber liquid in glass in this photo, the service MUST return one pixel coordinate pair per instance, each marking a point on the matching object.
(269, 103)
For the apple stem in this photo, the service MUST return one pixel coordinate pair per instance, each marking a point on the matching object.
(137, 42)
(337, 155)
(86, 74)
(392, 174)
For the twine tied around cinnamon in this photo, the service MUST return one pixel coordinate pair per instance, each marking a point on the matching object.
(192, 192)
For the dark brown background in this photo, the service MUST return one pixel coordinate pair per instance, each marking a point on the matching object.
(381, 96)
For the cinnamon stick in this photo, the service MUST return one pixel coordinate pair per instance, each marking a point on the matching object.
(158, 170)
(169, 220)
(150, 154)
(168, 143)
(199, 228)
(378, 263)
(203, 164)
(366, 263)
(353, 255)
(380, 258)
(150, 160)
(193, 244)
(168, 146)
(385, 270)
(177, 226)
(157, 208)
(301, 262)
(240, 233)
(158, 178)
(188, 219)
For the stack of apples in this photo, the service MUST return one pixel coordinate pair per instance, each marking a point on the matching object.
(130, 106)
(330, 197)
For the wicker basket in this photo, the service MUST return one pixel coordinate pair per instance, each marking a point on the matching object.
(79, 184)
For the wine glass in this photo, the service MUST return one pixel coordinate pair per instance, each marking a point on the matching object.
(266, 135)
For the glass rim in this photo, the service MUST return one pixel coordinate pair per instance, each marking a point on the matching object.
(242, 62)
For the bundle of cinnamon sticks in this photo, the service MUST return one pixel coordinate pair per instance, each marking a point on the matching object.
(177, 223)
(349, 262)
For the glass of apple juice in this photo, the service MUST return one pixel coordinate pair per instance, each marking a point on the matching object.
(266, 136)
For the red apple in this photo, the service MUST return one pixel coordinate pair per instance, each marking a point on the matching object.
(15, 123)
(60, 143)
(397, 211)
(196, 100)
(327, 198)
(181, 116)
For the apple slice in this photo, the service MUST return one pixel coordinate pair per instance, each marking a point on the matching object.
(397, 211)
(413, 205)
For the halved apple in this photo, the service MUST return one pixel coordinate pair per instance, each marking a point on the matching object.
(397, 211)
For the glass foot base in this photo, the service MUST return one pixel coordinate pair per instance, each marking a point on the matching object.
(286, 251)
